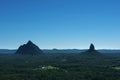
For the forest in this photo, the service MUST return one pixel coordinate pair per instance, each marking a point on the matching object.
(60, 66)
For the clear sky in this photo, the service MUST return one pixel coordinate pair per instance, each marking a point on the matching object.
(62, 24)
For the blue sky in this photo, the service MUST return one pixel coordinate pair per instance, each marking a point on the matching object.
(62, 24)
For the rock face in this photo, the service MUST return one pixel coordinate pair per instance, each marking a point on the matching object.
(29, 48)
(92, 50)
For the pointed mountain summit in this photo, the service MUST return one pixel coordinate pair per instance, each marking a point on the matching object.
(29, 42)
(91, 50)
(29, 48)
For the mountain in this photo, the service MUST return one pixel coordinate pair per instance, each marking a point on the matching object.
(29, 48)
(92, 49)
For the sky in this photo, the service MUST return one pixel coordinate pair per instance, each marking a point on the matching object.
(61, 24)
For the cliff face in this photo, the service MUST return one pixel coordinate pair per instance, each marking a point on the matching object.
(29, 48)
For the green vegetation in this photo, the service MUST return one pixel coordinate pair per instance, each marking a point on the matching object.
(117, 68)
(46, 68)
(60, 67)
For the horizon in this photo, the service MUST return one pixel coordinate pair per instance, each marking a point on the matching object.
(61, 24)
(65, 49)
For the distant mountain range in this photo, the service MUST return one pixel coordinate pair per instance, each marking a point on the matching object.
(7, 51)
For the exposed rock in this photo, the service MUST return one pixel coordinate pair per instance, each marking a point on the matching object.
(91, 50)
(29, 48)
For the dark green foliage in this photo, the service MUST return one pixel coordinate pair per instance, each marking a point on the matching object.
(29, 48)
(69, 67)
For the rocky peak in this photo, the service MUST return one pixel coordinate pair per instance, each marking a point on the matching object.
(29, 42)
(29, 48)
(91, 48)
